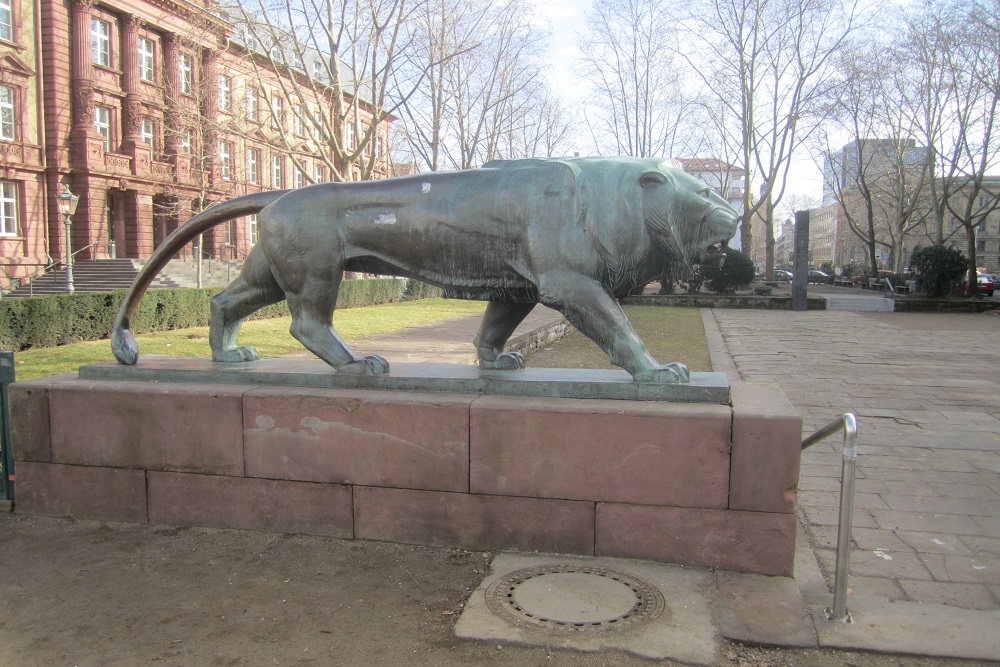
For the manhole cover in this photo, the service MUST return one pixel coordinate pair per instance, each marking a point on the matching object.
(567, 599)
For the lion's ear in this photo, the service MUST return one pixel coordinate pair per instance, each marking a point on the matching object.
(652, 178)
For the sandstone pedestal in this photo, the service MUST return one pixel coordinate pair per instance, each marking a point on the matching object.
(700, 483)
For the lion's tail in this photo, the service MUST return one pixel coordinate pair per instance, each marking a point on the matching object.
(123, 343)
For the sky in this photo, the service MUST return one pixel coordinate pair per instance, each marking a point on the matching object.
(564, 19)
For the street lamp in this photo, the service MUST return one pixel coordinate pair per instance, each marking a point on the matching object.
(67, 206)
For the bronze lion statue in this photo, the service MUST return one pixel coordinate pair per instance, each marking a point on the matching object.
(573, 234)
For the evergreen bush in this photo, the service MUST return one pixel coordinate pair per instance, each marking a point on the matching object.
(937, 268)
(737, 272)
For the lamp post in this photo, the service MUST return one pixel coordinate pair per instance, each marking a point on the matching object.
(67, 206)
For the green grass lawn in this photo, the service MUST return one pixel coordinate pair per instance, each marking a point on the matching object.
(270, 337)
(671, 334)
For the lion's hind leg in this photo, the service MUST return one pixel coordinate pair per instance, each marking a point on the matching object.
(253, 289)
(499, 323)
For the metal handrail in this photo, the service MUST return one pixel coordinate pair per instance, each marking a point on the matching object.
(848, 423)
(54, 263)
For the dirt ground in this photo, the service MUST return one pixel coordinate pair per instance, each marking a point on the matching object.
(88, 593)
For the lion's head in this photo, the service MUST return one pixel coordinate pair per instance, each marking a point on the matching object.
(686, 218)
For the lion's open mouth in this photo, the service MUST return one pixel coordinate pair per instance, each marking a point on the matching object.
(715, 255)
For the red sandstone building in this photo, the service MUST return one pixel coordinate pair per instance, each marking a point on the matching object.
(148, 110)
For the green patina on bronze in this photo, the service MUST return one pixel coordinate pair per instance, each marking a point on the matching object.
(573, 234)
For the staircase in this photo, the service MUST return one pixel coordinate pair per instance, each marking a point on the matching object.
(101, 275)
(104, 275)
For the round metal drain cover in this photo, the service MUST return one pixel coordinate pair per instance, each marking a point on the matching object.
(566, 599)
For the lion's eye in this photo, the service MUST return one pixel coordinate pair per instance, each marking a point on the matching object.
(707, 192)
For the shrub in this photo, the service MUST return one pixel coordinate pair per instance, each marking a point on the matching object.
(938, 267)
(694, 280)
(763, 290)
(736, 273)
(47, 321)
(667, 286)
(416, 289)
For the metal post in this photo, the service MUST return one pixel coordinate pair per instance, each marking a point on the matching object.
(69, 256)
(800, 279)
(6, 454)
(839, 611)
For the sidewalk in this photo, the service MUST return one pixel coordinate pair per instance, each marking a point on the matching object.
(925, 565)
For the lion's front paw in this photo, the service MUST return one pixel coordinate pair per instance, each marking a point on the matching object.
(672, 373)
(371, 365)
(508, 361)
(237, 354)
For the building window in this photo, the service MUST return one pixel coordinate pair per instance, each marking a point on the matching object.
(225, 93)
(277, 111)
(251, 40)
(297, 125)
(149, 132)
(317, 123)
(379, 146)
(8, 208)
(187, 140)
(100, 42)
(226, 159)
(253, 230)
(300, 178)
(317, 69)
(253, 166)
(7, 115)
(981, 246)
(230, 233)
(102, 123)
(186, 72)
(319, 174)
(252, 103)
(352, 139)
(147, 59)
(6, 21)
(277, 171)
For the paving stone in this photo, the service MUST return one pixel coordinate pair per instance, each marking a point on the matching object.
(878, 587)
(878, 538)
(879, 563)
(928, 521)
(981, 569)
(965, 596)
(830, 516)
(977, 491)
(936, 504)
(989, 545)
(937, 543)
(988, 526)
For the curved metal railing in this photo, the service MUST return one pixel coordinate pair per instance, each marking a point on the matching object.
(849, 425)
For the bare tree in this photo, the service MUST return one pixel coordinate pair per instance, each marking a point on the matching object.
(640, 104)
(491, 86)
(880, 177)
(952, 93)
(768, 63)
(339, 59)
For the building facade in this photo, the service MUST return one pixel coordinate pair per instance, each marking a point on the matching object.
(901, 201)
(149, 110)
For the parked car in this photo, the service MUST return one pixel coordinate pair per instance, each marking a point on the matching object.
(817, 276)
(781, 274)
(986, 284)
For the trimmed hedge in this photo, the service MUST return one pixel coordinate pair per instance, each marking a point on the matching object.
(47, 321)
(416, 289)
